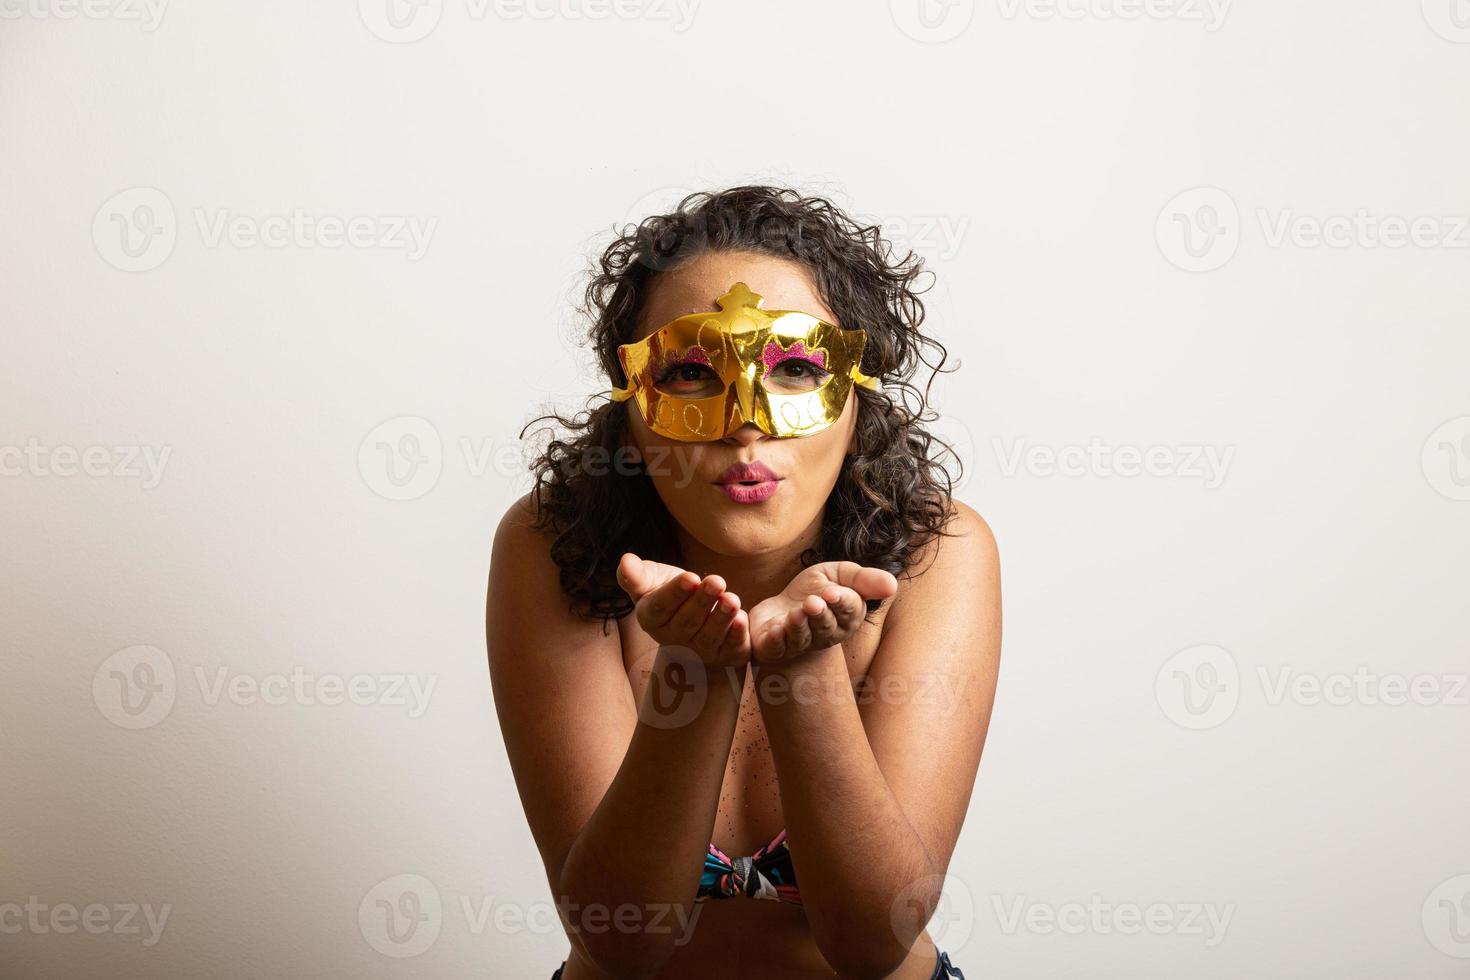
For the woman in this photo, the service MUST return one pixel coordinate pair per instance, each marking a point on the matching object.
(791, 709)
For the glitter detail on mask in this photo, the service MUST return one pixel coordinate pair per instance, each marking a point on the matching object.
(673, 359)
(774, 354)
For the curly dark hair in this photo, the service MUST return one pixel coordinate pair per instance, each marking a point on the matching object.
(893, 494)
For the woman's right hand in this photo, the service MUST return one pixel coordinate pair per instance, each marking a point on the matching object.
(678, 608)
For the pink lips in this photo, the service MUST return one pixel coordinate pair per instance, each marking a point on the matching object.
(748, 483)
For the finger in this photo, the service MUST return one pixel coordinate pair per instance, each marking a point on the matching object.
(690, 616)
(631, 576)
(770, 646)
(798, 629)
(821, 623)
(711, 634)
(846, 605)
(659, 606)
(737, 638)
(870, 583)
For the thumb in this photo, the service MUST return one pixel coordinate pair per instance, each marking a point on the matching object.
(632, 576)
(868, 582)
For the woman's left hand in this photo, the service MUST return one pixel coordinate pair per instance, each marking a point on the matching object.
(822, 607)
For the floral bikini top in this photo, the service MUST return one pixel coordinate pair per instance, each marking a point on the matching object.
(767, 873)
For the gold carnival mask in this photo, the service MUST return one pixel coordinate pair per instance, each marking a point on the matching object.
(702, 376)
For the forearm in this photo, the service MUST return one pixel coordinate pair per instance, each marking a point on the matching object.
(645, 842)
(867, 881)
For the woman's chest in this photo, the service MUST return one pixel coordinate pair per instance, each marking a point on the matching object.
(749, 813)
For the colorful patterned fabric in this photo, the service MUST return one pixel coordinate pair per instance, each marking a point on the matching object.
(944, 969)
(767, 874)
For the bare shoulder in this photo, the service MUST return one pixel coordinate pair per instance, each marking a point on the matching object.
(966, 554)
(524, 599)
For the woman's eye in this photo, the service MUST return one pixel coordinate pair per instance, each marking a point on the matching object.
(796, 374)
(689, 379)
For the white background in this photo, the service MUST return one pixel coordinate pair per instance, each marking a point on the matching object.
(1045, 160)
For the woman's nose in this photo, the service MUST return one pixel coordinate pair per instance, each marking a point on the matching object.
(745, 435)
